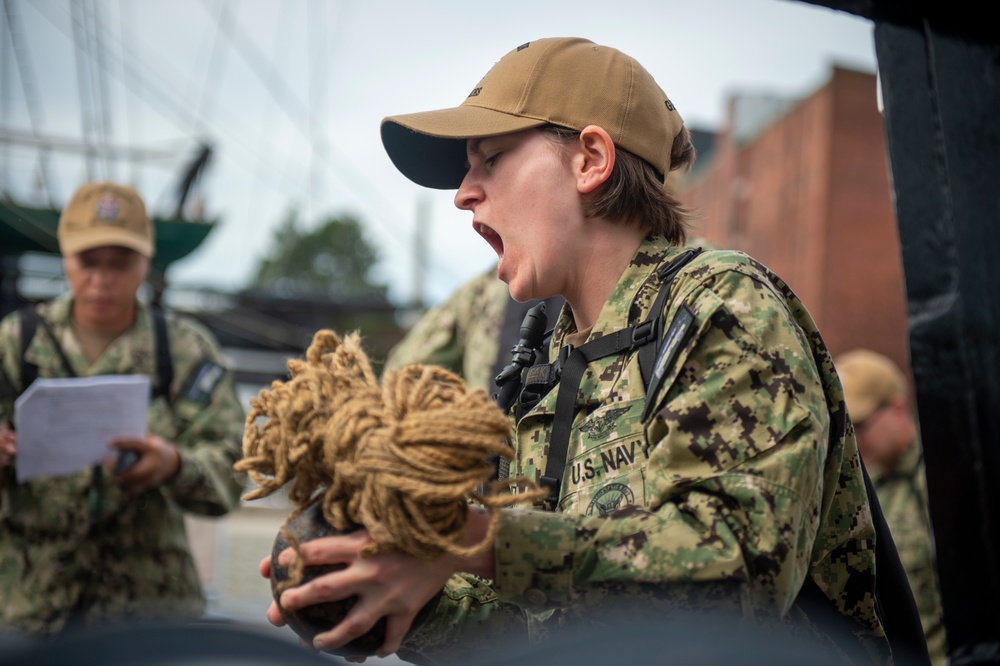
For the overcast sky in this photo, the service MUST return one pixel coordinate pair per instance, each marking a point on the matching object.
(290, 94)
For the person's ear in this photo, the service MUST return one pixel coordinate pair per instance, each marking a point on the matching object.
(595, 159)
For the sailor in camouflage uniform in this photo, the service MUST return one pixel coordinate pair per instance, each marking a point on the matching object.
(96, 547)
(736, 486)
(877, 396)
(461, 334)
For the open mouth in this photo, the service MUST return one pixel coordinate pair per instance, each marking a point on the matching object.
(492, 237)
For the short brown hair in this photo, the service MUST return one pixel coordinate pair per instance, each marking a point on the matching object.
(637, 191)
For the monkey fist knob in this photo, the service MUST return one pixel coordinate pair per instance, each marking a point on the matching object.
(312, 620)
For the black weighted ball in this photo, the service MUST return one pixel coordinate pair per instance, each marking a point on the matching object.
(309, 621)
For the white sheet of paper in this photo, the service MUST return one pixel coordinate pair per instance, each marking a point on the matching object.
(64, 425)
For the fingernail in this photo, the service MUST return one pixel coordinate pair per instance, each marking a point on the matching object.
(319, 645)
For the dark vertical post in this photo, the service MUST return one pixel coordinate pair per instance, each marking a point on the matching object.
(10, 300)
(941, 95)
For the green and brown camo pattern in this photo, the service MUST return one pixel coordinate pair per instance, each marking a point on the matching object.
(461, 334)
(107, 554)
(743, 483)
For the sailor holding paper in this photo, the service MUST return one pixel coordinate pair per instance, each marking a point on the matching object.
(105, 544)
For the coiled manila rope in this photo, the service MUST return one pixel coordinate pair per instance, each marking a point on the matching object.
(402, 458)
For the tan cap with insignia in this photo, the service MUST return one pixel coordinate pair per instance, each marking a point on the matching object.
(105, 213)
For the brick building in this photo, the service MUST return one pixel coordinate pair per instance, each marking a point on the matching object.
(803, 186)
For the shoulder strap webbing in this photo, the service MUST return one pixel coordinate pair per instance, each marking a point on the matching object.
(30, 321)
(164, 364)
(639, 336)
(647, 354)
(897, 609)
(626, 339)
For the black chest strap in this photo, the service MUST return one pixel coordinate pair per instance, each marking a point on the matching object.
(625, 340)
(164, 364)
(31, 320)
(644, 336)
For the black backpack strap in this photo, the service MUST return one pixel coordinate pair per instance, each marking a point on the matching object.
(164, 364)
(7, 389)
(29, 324)
(894, 603)
(573, 369)
(30, 321)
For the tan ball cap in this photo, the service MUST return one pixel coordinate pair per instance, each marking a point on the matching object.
(870, 381)
(101, 214)
(565, 81)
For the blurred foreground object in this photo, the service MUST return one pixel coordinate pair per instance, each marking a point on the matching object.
(203, 644)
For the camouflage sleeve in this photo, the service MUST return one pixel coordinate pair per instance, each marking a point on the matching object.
(468, 621)
(733, 480)
(461, 334)
(436, 338)
(211, 423)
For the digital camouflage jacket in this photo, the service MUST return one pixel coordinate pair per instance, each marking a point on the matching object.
(743, 483)
(73, 547)
(461, 334)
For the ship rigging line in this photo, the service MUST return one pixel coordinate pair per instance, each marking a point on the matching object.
(160, 91)
(26, 72)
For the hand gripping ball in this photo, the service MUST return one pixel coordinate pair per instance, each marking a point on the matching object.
(312, 620)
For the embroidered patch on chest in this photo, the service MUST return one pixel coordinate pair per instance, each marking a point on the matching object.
(599, 427)
(610, 498)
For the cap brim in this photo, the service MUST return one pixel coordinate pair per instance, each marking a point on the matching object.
(105, 238)
(429, 147)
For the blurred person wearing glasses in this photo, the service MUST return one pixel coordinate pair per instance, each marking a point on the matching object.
(877, 395)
